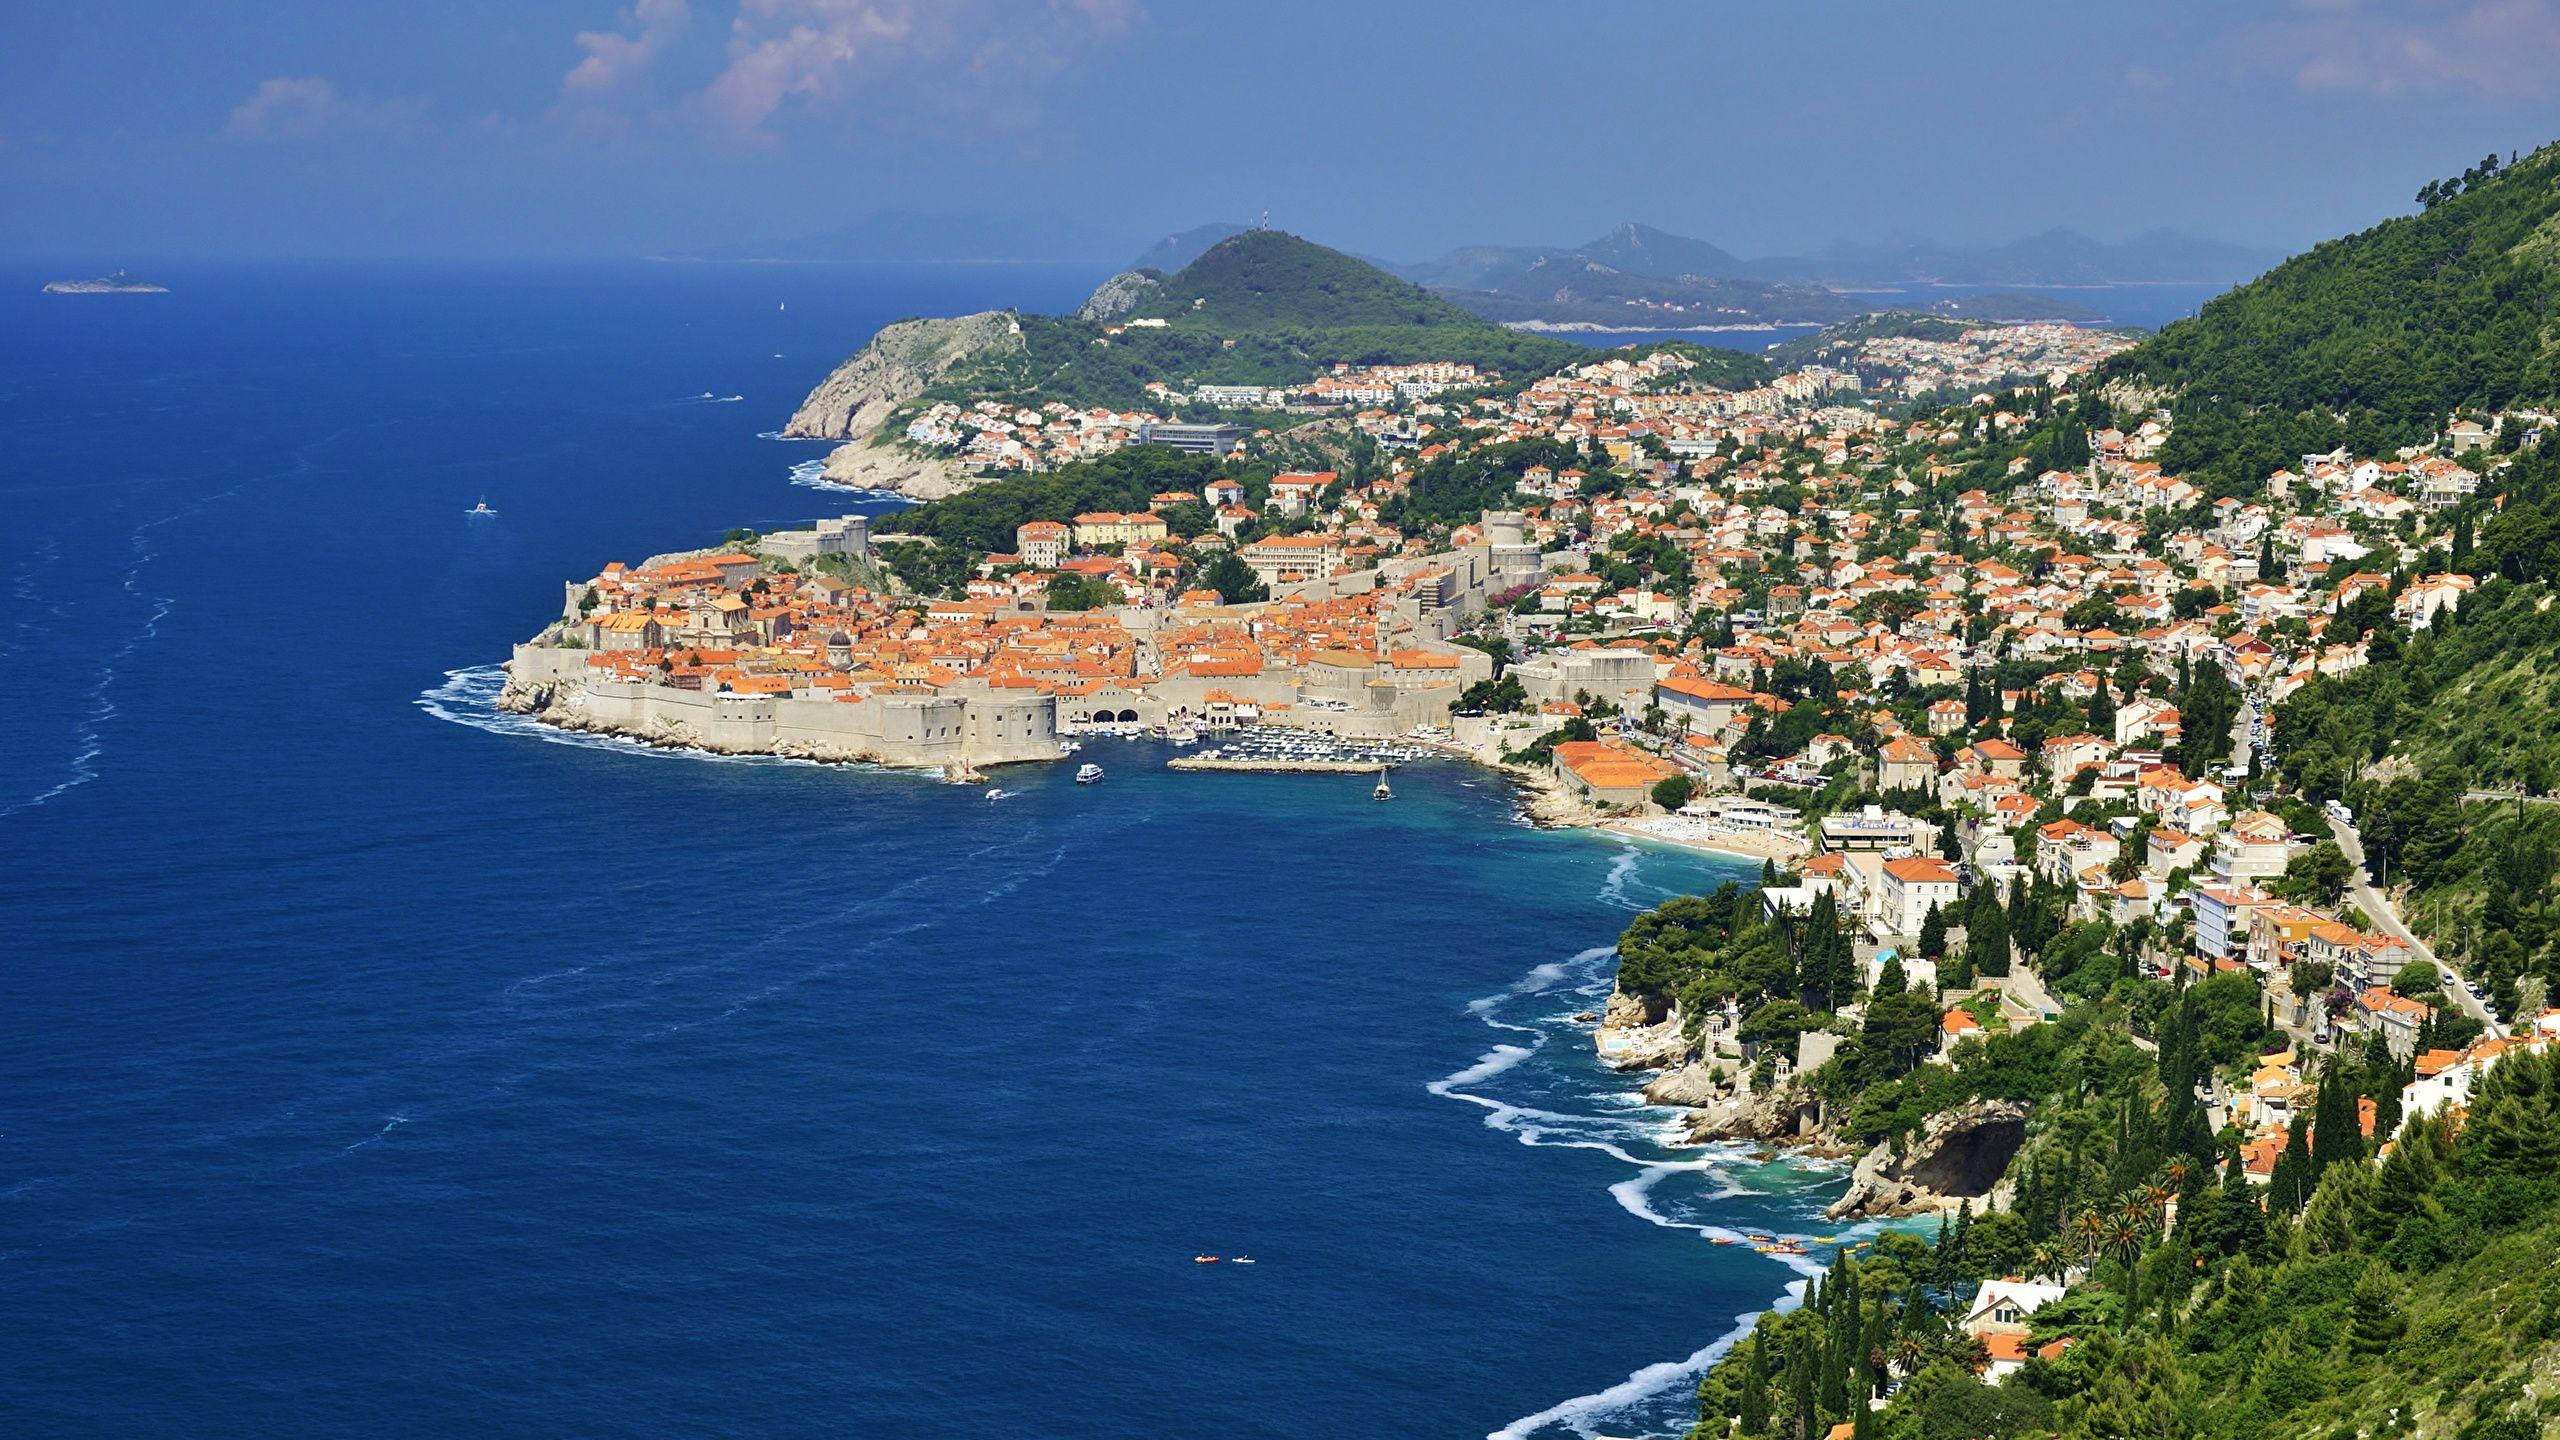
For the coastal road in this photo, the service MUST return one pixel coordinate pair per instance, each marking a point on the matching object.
(2374, 903)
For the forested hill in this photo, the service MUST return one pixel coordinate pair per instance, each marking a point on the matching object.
(1264, 278)
(2372, 340)
(1257, 308)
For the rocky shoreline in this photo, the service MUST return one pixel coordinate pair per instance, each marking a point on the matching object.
(1958, 1158)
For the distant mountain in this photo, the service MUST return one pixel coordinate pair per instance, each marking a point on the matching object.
(2372, 340)
(2056, 257)
(1643, 250)
(1637, 276)
(1184, 246)
(901, 237)
(1261, 278)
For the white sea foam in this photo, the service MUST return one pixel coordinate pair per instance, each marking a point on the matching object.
(1581, 1412)
(1613, 888)
(1622, 1126)
(469, 697)
(812, 475)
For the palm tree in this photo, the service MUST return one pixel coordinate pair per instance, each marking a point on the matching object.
(2123, 1240)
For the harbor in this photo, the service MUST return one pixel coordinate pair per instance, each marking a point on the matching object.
(1282, 752)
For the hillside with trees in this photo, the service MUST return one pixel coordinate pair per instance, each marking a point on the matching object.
(2372, 340)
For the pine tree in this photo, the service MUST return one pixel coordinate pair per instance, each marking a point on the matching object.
(2375, 1321)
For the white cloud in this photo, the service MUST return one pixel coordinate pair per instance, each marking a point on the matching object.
(307, 107)
(2391, 48)
(817, 55)
(616, 58)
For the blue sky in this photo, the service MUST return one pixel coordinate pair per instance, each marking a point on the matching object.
(1395, 127)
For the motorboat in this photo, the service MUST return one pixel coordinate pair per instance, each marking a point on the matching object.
(1204, 1259)
(1242, 1260)
(1088, 773)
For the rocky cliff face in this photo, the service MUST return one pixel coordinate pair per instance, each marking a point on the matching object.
(1639, 1034)
(1958, 1156)
(894, 368)
(1722, 1109)
(1117, 296)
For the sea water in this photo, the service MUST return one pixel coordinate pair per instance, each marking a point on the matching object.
(372, 1062)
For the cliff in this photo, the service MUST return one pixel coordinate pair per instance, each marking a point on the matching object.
(1117, 296)
(899, 364)
(1636, 1034)
(1960, 1155)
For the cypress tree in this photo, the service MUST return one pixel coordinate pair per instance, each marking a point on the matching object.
(1755, 1387)
(2291, 1184)
(2336, 1135)
(1800, 1382)
(1933, 934)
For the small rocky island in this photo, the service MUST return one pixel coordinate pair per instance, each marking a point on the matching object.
(120, 283)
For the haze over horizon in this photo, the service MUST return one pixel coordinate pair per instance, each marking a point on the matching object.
(591, 128)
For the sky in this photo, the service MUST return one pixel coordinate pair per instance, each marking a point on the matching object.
(622, 128)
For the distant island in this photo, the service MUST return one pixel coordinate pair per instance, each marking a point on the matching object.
(120, 283)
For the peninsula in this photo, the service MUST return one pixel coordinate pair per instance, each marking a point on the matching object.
(120, 283)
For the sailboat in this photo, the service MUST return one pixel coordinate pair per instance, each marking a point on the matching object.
(481, 509)
(1382, 792)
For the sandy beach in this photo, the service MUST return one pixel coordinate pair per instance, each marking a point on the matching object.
(1691, 834)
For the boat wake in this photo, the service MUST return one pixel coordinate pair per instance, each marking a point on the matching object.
(1545, 1106)
(98, 706)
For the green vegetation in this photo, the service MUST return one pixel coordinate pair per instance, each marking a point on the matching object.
(1234, 580)
(1265, 278)
(2372, 340)
(1082, 592)
(1712, 365)
(984, 517)
(2412, 1295)
(1833, 341)
(927, 569)
(1261, 308)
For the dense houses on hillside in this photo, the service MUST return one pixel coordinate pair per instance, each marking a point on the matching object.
(1775, 619)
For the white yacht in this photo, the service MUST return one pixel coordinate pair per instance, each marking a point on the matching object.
(1088, 773)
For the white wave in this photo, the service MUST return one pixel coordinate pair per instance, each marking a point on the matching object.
(1630, 1131)
(1613, 888)
(469, 696)
(1579, 1413)
(1539, 979)
(1493, 1062)
(811, 475)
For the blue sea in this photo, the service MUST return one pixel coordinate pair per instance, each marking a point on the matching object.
(371, 1063)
